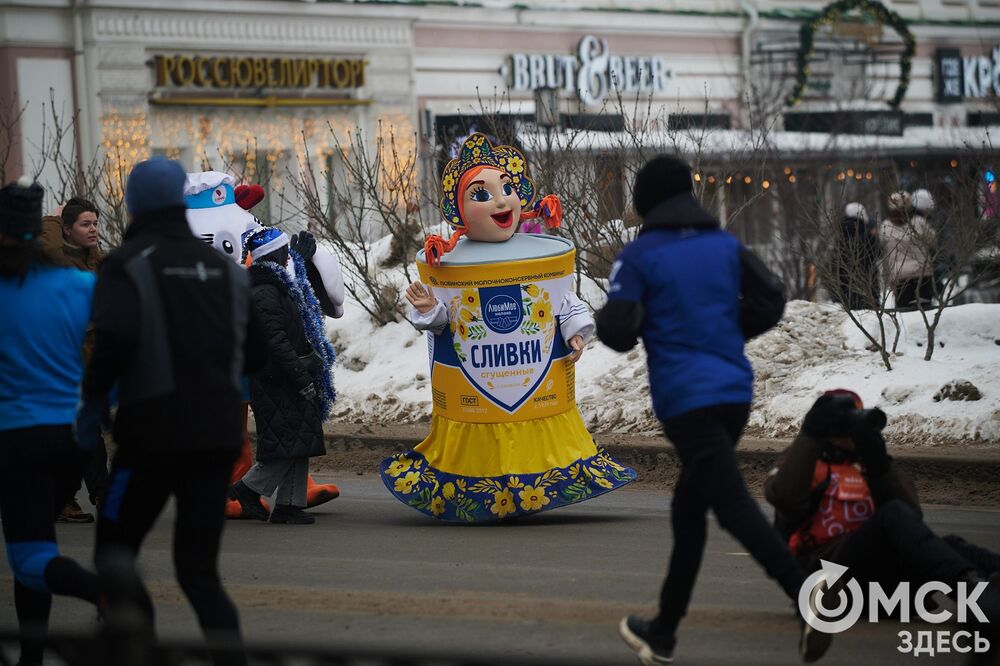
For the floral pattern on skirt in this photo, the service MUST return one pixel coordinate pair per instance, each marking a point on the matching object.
(451, 497)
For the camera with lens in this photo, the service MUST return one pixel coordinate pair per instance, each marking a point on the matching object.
(853, 419)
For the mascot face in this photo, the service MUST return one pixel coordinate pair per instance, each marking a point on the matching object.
(490, 206)
(214, 214)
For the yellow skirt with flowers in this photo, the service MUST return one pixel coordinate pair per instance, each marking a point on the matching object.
(474, 472)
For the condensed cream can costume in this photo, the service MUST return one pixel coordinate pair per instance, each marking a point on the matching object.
(506, 436)
(505, 362)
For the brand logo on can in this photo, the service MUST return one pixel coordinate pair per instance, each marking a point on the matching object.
(502, 313)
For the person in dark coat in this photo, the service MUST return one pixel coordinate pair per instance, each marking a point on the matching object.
(873, 527)
(291, 397)
(684, 285)
(70, 236)
(856, 260)
(176, 330)
(839, 497)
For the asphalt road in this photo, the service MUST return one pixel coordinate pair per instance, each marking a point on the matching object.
(374, 573)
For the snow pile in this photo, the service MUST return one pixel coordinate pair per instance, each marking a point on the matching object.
(816, 348)
(383, 375)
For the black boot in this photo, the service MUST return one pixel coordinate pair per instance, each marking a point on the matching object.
(292, 515)
(249, 501)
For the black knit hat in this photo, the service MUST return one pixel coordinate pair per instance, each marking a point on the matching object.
(662, 177)
(21, 210)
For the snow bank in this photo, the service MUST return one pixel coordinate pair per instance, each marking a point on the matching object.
(383, 375)
(817, 348)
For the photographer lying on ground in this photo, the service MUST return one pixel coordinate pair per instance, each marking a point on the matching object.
(839, 497)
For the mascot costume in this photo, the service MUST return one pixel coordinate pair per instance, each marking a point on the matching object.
(504, 332)
(219, 214)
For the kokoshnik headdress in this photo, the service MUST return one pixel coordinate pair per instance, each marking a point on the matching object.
(477, 154)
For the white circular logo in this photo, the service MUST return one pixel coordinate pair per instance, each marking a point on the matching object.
(219, 196)
(813, 599)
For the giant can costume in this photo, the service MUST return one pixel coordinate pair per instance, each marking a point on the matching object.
(506, 436)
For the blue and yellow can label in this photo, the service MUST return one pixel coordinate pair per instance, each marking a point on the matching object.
(502, 358)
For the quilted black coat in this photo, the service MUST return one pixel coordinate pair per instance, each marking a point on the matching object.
(288, 425)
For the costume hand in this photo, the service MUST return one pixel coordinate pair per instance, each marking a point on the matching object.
(576, 344)
(309, 392)
(87, 427)
(421, 297)
(304, 243)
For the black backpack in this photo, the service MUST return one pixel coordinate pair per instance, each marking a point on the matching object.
(762, 298)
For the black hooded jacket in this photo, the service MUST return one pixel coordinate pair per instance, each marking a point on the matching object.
(176, 331)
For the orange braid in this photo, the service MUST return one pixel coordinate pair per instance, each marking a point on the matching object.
(549, 208)
(436, 247)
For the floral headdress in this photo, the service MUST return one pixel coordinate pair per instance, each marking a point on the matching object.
(478, 153)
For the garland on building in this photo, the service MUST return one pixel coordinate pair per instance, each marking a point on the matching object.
(833, 12)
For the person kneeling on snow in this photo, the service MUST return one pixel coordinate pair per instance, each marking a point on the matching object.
(838, 497)
(292, 396)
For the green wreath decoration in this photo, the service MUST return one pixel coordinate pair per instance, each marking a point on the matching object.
(834, 11)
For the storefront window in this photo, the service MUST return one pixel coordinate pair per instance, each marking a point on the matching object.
(263, 168)
(181, 155)
(750, 209)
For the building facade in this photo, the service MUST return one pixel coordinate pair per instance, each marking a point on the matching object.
(248, 86)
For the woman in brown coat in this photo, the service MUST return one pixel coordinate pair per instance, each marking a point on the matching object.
(70, 237)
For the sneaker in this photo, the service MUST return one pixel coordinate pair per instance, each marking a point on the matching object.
(72, 513)
(249, 501)
(653, 650)
(291, 515)
(813, 643)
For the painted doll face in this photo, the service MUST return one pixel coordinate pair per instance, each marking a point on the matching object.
(491, 207)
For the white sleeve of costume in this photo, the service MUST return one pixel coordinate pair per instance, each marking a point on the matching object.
(575, 318)
(434, 320)
(333, 278)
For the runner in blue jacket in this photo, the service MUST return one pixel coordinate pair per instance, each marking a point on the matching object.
(44, 309)
(693, 294)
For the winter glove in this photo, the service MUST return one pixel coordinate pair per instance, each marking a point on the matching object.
(829, 417)
(309, 392)
(87, 428)
(870, 445)
(303, 243)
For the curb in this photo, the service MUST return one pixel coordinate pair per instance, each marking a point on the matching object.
(941, 479)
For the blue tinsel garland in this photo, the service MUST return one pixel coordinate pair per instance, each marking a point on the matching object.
(312, 318)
